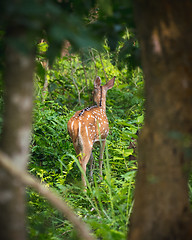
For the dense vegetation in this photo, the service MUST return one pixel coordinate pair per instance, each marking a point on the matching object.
(161, 209)
(107, 204)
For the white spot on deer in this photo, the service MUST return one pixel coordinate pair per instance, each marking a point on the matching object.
(80, 137)
(72, 126)
(87, 135)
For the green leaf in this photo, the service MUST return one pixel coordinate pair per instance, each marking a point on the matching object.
(140, 119)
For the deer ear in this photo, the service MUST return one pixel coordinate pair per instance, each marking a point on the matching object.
(110, 84)
(97, 82)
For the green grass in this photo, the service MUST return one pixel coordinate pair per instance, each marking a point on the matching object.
(107, 204)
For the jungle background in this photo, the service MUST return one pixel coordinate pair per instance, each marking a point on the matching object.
(63, 84)
(101, 41)
(53, 159)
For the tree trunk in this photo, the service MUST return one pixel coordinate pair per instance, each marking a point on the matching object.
(161, 208)
(15, 139)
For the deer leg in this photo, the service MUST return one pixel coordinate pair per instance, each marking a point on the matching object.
(84, 166)
(102, 148)
(83, 161)
(83, 175)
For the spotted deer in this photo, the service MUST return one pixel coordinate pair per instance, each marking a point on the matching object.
(91, 125)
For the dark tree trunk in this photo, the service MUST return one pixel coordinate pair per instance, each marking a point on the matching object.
(15, 138)
(161, 208)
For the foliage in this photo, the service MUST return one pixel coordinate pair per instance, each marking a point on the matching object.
(57, 21)
(53, 20)
(107, 204)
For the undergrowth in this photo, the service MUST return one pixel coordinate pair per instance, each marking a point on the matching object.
(107, 204)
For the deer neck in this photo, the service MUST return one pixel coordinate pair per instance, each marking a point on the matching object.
(102, 103)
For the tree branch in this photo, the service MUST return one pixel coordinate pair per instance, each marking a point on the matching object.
(103, 67)
(26, 179)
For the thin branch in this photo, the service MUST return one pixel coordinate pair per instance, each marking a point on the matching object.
(103, 66)
(93, 59)
(26, 179)
(85, 73)
(78, 92)
(74, 82)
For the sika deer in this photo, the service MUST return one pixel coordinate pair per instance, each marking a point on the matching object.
(89, 125)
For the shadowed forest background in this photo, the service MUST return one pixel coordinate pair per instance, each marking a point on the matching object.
(54, 159)
(51, 52)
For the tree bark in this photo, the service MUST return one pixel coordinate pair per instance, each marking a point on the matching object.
(161, 209)
(15, 138)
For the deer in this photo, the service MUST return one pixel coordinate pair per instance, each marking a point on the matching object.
(91, 125)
